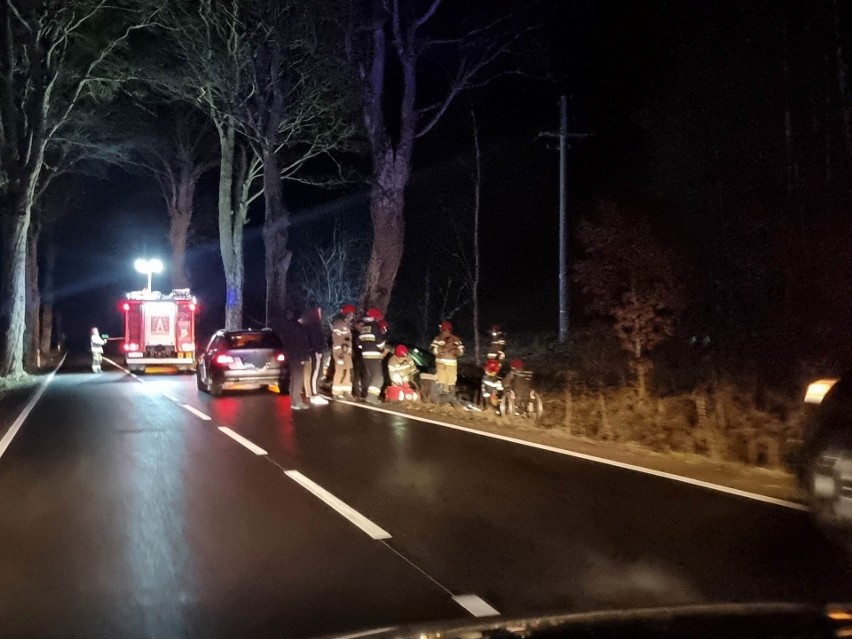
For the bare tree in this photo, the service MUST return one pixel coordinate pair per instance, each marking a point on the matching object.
(297, 112)
(51, 54)
(386, 35)
(332, 275)
(177, 153)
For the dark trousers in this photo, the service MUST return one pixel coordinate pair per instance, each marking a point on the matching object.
(297, 378)
(375, 378)
(360, 381)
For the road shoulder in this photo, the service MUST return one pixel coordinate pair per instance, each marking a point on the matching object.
(776, 484)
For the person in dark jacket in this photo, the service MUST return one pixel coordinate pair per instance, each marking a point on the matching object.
(297, 348)
(312, 321)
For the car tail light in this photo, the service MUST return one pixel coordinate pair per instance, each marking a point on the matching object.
(224, 359)
(280, 357)
(187, 347)
(130, 346)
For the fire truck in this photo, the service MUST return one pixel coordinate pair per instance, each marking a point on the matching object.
(159, 330)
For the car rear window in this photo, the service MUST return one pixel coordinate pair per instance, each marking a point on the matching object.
(253, 340)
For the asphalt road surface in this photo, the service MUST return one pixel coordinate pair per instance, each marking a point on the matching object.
(143, 508)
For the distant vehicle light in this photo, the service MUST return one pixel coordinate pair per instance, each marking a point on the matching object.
(817, 390)
(224, 359)
(280, 357)
(130, 346)
(187, 347)
(126, 306)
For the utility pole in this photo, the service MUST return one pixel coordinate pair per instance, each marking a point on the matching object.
(563, 136)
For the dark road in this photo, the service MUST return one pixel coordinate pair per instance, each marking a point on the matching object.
(143, 508)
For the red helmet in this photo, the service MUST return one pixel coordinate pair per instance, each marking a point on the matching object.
(347, 309)
(517, 364)
(446, 325)
(401, 350)
(496, 328)
(374, 314)
(492, 367)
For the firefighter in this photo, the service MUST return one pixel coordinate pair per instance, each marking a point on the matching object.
(400, 370)
(372, 344)
(447, 349)
(492, 385)
(97, 345)
(497, 349)
(341, 351)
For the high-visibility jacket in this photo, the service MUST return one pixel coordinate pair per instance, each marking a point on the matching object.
(400, 369)
(370, 339)
(97, 343)
(341, 338)
(447, 350)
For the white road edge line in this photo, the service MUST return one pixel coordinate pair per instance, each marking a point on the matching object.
(600, 460)
(365, 633)
(203, 416)
(476, 606)
(16, 425)
(257, 450)
(344, 509)
(171, 397)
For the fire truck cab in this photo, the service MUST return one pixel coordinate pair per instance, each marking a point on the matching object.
(159, 330)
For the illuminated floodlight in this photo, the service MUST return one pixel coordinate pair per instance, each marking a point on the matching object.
(148, 267)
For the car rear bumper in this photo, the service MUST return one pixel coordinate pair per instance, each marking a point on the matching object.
(248, 376)
(180, 362)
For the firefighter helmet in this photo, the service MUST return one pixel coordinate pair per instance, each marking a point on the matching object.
(496, 330)
(446, 325)
(374, 314)
(401, 350)
(492, 367)
(347, 309)
(517, 364)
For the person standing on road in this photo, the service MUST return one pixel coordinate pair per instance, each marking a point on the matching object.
(372, 343)
(341, 351)
(447, 349)
(312, 321)
(97, 345)
(297, 348)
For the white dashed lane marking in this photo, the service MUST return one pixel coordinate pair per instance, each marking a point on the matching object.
(197, 413)
(257, 450)
(344, 509)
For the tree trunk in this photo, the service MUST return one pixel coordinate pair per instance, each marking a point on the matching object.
(179, 218)
(387, 201)
(32, 336)
(46, 321)
(13, 260)
(230, 245)
(276, 229)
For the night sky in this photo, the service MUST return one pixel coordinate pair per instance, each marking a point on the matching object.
(682, 98)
